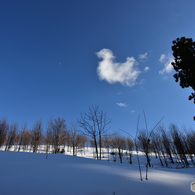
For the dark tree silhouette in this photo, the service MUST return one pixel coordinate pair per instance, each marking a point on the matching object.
(184, 63)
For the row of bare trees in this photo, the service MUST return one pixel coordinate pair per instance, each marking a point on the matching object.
(94, 125)
(56, 137)
(10, 135)
(118, 146)
(170, 146)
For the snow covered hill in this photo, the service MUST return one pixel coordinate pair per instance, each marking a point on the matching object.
(24, 173)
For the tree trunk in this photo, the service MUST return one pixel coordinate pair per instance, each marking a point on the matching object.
(100, 145)
(96, 149)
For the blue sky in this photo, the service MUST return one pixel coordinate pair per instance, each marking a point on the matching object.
(57, 58)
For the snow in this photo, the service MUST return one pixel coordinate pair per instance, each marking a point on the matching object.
(31, 173)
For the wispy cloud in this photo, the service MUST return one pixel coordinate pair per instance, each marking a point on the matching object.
(125, 73)
(122, 104)
(143, 56)
(162, 58)
(146, 69)
(167, 63)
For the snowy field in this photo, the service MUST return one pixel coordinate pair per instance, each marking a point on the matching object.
(23, 173)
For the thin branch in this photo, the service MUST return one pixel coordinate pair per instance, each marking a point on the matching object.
(156, 126)
(146, 123)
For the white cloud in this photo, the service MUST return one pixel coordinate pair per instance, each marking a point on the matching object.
(143, 56)
(146, 69)
(122, 104)
(125, 73)
(162, 58)
(167, 66)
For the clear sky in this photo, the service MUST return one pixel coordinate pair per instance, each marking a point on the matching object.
(57, 58)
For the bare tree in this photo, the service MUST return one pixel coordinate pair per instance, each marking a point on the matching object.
(118, 143)
(26, 139)
(4, 127)
(20, 137)
(36, 135)
(144, 145)
(166, 141)
(179, 145)
(156, 141)
(94, 123)
(64, 137)
(121, 145)
(102, 121)
(113, 144)
(187, 141)
(191, 141)
(130, 146)
(84, 142)
(19, 140)
(74, 137)
(107, 142)
(79, 143)
(11, 136)
(48, 140)
(57, 127)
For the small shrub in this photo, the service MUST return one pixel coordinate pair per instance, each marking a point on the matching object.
(62, 151)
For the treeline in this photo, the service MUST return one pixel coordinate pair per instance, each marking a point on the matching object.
(58, 136)
(170, 146)
(54, 140)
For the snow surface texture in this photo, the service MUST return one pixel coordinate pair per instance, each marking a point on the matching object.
(24, 173)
